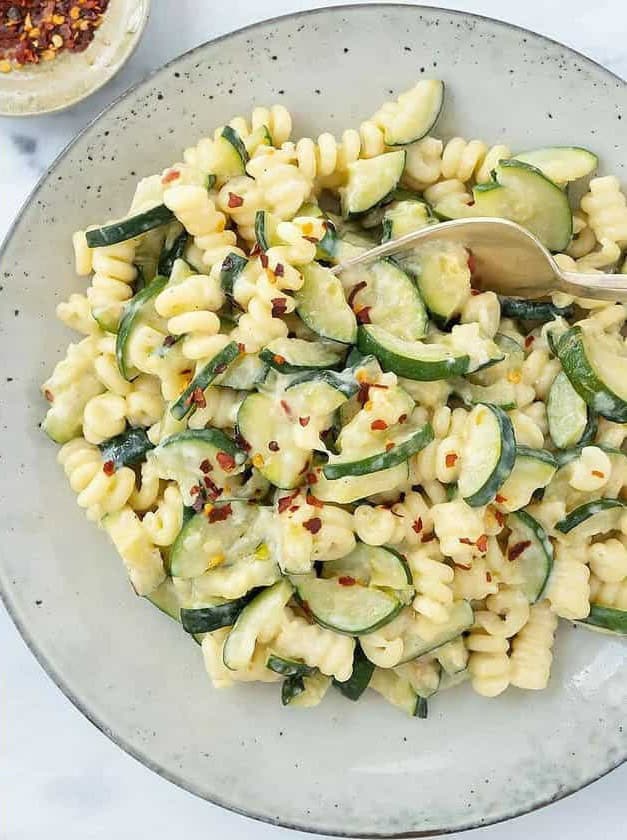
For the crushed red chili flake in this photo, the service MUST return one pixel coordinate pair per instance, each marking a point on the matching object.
(488, 577)
(462, 566)
(241, 347)
(363, 315)
(500, 517)
(220, 513)
(380, 386)
(255, 250)
(285, 501)
(169, 340)
(363, 393)
(529, 340)
(263, 259)
(313, 239)
(500, 499)
(451, 459)
(475, 292)
(286, 408)
(304, 421)
(354, 292)
(402, 419)
(279, 307)
(294, 508)
(273, 446)
(170, 176)
(389, 446)
(108, 468)
(598, 473)
(313, 525)
(36, 30)
(221, 367)
(279, 360)
(241, 441)
(197, 397)
(212, 488)
(279, 270)
(205, 466)
(311, 478)
(482, 543)
(416, 525)
(235, 200)
(49, 395)
(313, 501)
(466, 541)
(378, 425)
(226, 461)
(427, 537)
(516, 550)
(195, 490)
(346, 580)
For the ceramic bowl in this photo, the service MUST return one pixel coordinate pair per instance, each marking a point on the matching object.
(56, 85)
(349, 769)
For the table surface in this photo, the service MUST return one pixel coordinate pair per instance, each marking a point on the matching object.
(58, 774)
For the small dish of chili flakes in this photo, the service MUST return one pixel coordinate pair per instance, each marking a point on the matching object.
(54, 53)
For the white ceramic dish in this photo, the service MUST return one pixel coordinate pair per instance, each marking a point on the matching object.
(55, 85)
(342, 769)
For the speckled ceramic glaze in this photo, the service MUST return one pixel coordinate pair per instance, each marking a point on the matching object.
(55, 85)
(357, 769)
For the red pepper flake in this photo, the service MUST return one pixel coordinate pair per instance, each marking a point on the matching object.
(363, 393)
(313, 525)
(427, 537)
(311, 478)
(273, 446)
(389, 446)
(500, 499)
(472, 262)
(416, 525)
(108, 468)
(378, 425)
(49, 395)
(304, 605)
(226, 461)
(363, 315)
(263, 259)
(294, 508)
(195, 490)
(379, 386)
(451, 459)
(286, 408)
(346, 580)
(482, 543)
(170, 176)
(285, 501)
(279, 307)
(169, 340)
(278, 360)
(313, 239)
(475, 292)
(402, 419)
(500, 517)
(462, 566)
(304, 421)
(241, 441)
(235, 200)
(313, 501)
(197, 398)
(279, 270)
(205, 466)
(516, 550)
(255, 250)
(488, 577)
(241, 347)
(354, 292)
(220, 513)
(529, 340)
(598, 473)
(466, 541)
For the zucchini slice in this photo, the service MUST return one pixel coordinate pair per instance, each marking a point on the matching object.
(194, 458)
(533, 469)
(413, 115)
(402, 442)
(321, 304)
(411, 359)
(126, 449)
(533, 310)
(530, 548)
(568, 415)
(369, 565)
(293, 355)
(488, 454)
(607, 618)
(266, 230)
(358, 681)
(398, 691)
(403, 217)
(245, 373)
(305, 692)
(129, 228)
(385, 294)
(288, 667)
(232, 267)
(596, 365)
(461, 618)
(561, 164)
(172, 251)
(186, 403)
(264, 611)
(443, 277)
(591, 518)
(229, 155)
(523, 194)
(351, 488)
(349, 609)
(501, 393)
(369, 181)
(210, 618)
(166, 599)
(139, 310)
(509, 370)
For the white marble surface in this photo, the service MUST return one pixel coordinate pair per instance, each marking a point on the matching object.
(59, 777)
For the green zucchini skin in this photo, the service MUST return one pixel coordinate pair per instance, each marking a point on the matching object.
(504, 465)
(533, 310)
(129, 228)
(288, 667)
(358, 681)
(585, 511)
(184, 405)
(291, 688)
(170, 255)
(382, 460)
(535, 577)
(208, 619)
(607, 618)
(409, 368)
(131, 312)
(126, 449)
(231, 268)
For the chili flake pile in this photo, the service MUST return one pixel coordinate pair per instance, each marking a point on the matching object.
(37, 30)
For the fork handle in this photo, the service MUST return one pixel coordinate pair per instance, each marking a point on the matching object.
(611, 287)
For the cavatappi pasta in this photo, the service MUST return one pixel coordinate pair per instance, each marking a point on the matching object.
(381, 479)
